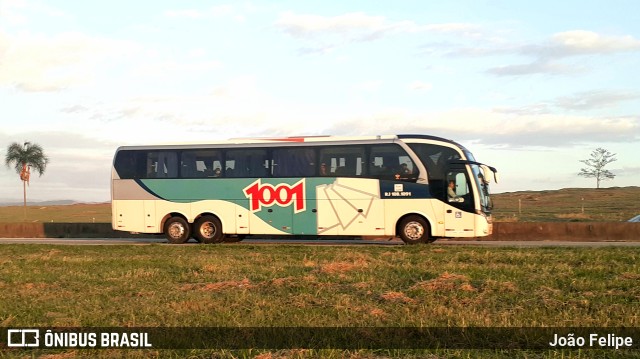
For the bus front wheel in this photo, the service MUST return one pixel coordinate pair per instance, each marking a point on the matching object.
(208, 229)
(177, 230)
(414, 230)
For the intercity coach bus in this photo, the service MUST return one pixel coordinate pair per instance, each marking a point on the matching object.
(417, 187)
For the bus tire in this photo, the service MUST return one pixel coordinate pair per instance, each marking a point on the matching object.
(208, 229)
(176, 229)
(414, 230)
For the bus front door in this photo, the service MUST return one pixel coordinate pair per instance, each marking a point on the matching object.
(459, 220)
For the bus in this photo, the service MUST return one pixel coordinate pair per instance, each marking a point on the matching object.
(416, 187)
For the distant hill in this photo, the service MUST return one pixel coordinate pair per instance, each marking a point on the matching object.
(5, 203)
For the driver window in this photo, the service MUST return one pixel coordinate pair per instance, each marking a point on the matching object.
(461, 185)
(458, 189)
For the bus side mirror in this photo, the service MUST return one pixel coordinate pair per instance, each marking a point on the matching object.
(490, 174)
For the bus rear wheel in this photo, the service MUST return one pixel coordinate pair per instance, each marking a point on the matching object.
(414, 230)
(176, 229)
(208, 229)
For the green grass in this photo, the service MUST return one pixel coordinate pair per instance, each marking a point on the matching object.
(293, 285)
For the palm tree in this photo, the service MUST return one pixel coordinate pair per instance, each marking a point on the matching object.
(24, 158)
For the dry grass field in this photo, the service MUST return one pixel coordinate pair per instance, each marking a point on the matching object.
(569, 205)
(73, 213)
(159, 286)
(566, 205)
(322, 286)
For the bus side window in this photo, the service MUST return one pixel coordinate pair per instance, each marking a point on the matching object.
(293, 162)
(388, 161)
(188, 165)
(436, 159)
(127, 166)
(162, 165)
(201, 163)
(247, 163)
(343, 161)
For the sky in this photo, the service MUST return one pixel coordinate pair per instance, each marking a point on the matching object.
(530, 88)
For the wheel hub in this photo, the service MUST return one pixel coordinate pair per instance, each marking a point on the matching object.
(208, 230)
(176, 230)
(414, 230)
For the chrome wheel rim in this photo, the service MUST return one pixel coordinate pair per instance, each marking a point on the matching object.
(414, 230)
(176, 230)
(208, 230)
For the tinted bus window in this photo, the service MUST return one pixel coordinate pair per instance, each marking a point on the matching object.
(247, 163)
(390, 162)
(436, 159)
(201, 163)
(342, 161)
(147, 164)
(162, 164)
(293, 162)
(130, 164)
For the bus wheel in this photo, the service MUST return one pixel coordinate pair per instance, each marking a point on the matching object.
(414, 230)
(177, 230)
(208, 229)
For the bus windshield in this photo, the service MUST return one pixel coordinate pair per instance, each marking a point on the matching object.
(483, 186)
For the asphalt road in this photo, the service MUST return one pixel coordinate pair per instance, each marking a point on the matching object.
(337, 242)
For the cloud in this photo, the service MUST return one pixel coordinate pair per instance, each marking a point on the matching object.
(582, 101)
(630, 171)
(329, 32)
(18, 12)
(595, 99)
(560, 131)
(218, 11)
(181, 69)
(353, 24)
(494, 128)
(50, 63)
(547, 55)
(420, 86)
(238, 107)
(581, 42)
(74, 109)
(368, 86)
(540, 66)
(535, 109)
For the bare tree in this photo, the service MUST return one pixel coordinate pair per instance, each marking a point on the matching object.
(600, 157)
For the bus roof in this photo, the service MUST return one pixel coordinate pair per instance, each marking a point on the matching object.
(310, 139)
(431, 138)
(293, 140)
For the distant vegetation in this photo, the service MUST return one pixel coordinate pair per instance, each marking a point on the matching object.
(72, 213)
(568, 205)
(565, 205)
